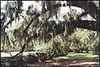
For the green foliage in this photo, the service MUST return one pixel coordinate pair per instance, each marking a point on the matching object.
(58, 47)
(53, 43)
(85, 40)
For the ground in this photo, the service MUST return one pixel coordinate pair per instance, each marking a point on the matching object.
(71, 60)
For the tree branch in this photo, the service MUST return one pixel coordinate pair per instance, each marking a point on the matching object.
(90, 25)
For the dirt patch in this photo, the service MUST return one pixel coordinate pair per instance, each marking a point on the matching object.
(35, 62)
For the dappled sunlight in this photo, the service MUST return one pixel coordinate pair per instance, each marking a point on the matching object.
(49, 33)
(85, 63)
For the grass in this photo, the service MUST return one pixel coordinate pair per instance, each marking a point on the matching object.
(81, 56)
(78, 56)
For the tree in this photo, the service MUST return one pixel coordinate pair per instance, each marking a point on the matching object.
(44, 25)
